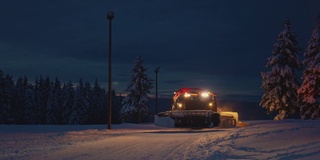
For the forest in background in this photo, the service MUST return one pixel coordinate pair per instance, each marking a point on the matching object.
(49, 101)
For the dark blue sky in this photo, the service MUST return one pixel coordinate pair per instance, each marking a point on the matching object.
(221, 45)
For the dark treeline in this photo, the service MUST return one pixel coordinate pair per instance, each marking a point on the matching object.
(50, 102)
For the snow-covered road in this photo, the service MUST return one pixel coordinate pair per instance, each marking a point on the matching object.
(289, 139)
(134, 146)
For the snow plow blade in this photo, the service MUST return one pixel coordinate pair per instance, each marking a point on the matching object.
(230, 119)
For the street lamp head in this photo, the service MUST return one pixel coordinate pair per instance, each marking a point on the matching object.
(110, 15)
(157, 70)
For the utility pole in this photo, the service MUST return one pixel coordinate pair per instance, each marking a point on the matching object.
(110, 17)
(156, 71)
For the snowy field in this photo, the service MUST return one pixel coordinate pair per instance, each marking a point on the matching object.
(287, 139)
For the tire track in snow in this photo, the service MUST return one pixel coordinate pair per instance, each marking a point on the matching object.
(233, 144)
(219, 145)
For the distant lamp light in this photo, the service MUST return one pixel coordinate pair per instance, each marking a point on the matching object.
(187, 95)
(110, 15)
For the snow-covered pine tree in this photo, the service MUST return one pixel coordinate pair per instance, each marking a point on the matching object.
(44, 90)
(31, 110)
(309, 92)
(87, 93)
(36, 107)
(280, 85)
(54, 104)
(6, 88)
(18, 104)
(68, 100)
(135, 103)
(96, 110)
(79, 113)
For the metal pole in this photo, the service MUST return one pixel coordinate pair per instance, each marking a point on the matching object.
(110, 17)
(156, 71)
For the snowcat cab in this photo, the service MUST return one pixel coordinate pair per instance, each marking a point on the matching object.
(194, 99)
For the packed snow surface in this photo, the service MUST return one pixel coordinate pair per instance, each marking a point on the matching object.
(286, 139)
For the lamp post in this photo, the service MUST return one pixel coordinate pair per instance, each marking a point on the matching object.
(110, 17)
(156, 71)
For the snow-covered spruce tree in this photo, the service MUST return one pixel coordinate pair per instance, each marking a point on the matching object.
(135, 103)
(67, 103)
(44, 90)
(36, 95)
(280, 85)
(31, 110)
(54, 111)
(309, 92)
(6, 88)
(18, 104)
(80, 106)
(96, 108)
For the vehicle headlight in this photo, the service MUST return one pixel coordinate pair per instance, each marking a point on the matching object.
(179, 105)
(204, 94)
(187, 95)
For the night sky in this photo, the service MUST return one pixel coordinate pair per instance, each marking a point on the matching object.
(221, 45)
